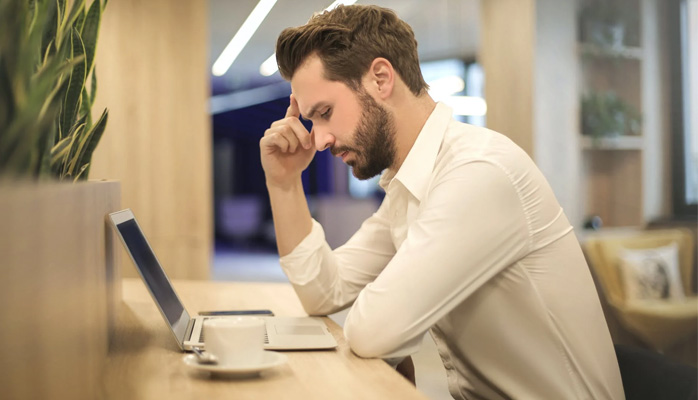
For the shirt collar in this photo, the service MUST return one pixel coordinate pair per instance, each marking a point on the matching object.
(418, 165)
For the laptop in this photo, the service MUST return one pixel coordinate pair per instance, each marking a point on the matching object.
(283, 333)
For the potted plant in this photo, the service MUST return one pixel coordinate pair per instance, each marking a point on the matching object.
(604, 114)
(608, 23)
(58, 263)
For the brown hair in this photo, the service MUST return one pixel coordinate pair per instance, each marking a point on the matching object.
(347, 40)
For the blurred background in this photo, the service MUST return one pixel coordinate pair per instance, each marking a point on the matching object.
(603, 94)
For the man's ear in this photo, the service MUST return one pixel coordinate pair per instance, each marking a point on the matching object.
(381, 77)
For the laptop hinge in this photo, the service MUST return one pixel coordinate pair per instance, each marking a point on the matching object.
(190, 329)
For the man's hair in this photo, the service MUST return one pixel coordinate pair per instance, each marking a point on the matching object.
(347, 40)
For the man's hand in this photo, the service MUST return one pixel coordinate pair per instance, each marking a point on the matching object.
(286, 149)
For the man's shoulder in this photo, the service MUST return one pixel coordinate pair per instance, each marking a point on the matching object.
(472, 141)
(464, 144)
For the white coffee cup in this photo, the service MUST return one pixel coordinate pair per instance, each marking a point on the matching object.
(236, 342)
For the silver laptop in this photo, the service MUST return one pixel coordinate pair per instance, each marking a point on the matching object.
(283, 333)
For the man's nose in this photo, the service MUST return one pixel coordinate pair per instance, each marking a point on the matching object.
(323, 139)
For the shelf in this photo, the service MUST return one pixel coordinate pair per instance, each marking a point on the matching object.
(615, 143)
(594, 50)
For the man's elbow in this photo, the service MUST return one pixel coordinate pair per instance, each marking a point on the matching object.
(368, 342)
(317, 309)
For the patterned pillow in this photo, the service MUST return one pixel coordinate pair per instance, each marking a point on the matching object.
(651, 273)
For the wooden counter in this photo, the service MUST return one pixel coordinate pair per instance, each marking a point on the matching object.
(145, 362)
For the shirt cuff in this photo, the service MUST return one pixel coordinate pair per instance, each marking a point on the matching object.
(301, 264)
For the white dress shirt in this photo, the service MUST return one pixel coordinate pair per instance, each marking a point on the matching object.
(471, 245)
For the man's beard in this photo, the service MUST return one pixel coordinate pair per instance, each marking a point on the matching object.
(374, 140)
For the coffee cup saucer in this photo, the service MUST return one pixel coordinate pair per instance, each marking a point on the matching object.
(270, 359)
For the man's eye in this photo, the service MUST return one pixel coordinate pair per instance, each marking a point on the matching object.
(326, 114)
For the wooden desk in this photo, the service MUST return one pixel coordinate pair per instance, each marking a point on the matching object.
(146, 363)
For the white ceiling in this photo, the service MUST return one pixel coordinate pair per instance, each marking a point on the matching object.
(444, 29)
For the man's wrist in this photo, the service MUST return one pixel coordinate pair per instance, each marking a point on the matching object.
(292, 185)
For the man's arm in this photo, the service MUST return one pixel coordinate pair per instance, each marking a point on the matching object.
(292, 220)
(325, 281)
(286, 150)
(470, 228)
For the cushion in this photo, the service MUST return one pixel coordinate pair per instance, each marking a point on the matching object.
(650, 274)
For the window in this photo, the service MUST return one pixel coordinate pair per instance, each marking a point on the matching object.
(684, 105)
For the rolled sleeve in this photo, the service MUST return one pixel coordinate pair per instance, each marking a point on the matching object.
(302, 265)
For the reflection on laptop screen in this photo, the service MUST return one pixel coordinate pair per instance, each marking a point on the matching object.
(153, 273)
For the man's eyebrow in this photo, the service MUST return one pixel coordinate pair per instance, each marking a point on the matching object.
(309, 115)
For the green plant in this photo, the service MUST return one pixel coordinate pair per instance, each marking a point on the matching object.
(609, 23)
(46, 56)
(604, 114)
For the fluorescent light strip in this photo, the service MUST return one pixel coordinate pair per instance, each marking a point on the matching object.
(243, 35)
(338, 2)
(269, 66)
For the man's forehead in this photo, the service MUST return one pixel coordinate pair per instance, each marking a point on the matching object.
(313, 90)
(308, 83)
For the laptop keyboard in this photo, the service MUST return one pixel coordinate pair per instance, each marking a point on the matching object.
(201, 336)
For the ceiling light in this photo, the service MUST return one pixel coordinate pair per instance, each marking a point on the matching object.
(243, 35)
(338, 2)
(269, 66)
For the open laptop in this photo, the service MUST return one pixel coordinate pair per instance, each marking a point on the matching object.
(283, 333)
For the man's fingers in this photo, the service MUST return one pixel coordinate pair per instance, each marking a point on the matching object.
(298, 128)
(274, 141)
(282, 137)
(293, 110)
(302, 134)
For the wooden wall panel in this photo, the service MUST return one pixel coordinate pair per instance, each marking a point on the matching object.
(152, 75)
(614, 186)
(507, 54)
(60, 288)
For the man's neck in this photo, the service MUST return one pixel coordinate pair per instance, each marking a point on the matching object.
(411, 113)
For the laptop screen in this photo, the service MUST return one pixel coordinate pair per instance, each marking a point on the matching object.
(153, 274)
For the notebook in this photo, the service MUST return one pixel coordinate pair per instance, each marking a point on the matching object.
(283, 333)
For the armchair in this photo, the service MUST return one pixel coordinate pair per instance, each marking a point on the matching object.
(659, 323)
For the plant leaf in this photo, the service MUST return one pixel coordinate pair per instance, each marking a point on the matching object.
(90, 32)
(71, 103)
(95, 136)
(73, 148)
(86, 107)
(45, 154)
(75, 12)
(80, 175)
(83, 140)
(59, 149)
(93, 90)
(80, 20)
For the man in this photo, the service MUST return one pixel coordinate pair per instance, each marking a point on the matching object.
(469, 243)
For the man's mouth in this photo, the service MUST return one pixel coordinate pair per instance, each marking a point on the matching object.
(343, 153)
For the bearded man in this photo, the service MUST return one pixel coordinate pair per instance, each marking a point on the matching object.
(469, 243)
